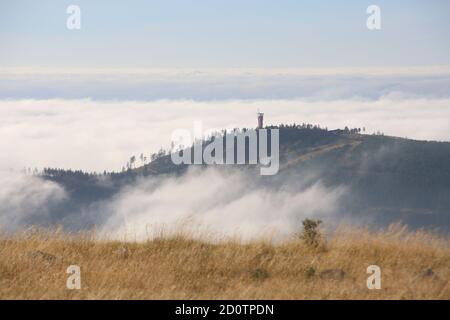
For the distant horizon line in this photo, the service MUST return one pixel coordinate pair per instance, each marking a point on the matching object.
(232, 71)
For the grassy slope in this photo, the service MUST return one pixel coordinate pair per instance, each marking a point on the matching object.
(34, 266)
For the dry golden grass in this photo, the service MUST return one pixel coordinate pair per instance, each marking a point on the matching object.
(33, 266)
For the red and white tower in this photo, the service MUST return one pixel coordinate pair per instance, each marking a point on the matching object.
(260, 120)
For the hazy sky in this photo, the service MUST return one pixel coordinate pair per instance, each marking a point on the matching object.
(232, 33)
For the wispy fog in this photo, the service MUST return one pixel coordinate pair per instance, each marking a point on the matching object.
(206, 204)
(213, 203)
(27, 200)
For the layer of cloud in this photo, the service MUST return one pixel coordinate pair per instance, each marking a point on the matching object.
(102, 135)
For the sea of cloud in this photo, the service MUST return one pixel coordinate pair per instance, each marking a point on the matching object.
(102, 135)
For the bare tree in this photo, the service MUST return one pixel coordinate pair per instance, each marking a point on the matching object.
(132, 162)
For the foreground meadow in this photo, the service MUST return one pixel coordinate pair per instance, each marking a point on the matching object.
(414, 265)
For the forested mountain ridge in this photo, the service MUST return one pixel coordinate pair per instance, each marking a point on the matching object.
(388, 179)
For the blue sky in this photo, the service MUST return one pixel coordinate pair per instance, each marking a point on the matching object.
(223, 34)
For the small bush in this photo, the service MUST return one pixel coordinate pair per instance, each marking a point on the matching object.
(310, 272)
(259, 274)
(311, 234)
